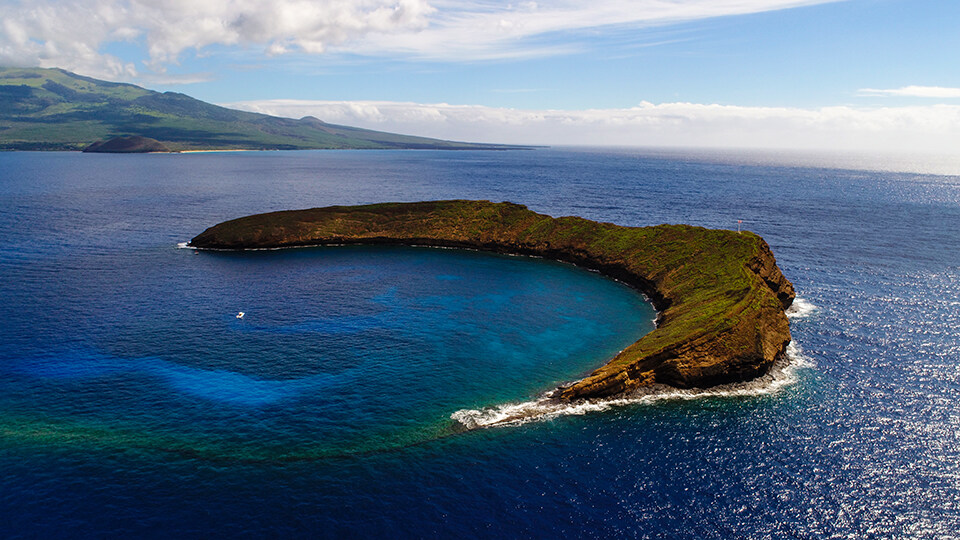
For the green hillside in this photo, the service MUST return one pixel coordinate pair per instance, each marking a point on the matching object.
(53, 109)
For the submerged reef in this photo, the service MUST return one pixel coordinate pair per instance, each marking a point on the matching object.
(720, 295)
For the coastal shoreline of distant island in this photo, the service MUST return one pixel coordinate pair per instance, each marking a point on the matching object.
(50, 109)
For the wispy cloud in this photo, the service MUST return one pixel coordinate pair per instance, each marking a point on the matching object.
(479, 29)
(178, 79)
(930, 128)
(912, 91)
(74, 34)
(516, 90)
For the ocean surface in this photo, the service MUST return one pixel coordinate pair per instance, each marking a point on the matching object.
(360, 394)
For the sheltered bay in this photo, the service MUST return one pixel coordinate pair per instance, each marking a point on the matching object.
(720, 295)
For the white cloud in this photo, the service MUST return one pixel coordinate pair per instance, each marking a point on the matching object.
(66, 35)
(74, 33)
(172, 79)
(479, 29)
(913, 91)
(934, 128)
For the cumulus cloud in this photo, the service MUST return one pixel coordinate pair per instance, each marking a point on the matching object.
(933, 128)
(913, 91)
(74, 34)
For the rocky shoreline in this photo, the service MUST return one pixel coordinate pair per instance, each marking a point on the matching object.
(720, 295)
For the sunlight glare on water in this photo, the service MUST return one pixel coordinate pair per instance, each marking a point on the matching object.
(135, 403)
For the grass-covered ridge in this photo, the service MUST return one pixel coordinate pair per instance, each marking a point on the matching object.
(53, 109)
(720, 294)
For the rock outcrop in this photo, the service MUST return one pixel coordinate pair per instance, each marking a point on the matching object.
(720, 295)
(133, 144)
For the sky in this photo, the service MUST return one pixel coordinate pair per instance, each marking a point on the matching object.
(876, 75)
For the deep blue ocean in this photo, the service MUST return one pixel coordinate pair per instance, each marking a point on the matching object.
(134, 403)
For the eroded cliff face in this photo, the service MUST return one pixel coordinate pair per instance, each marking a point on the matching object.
(739, 345)
(720, 294)
(765, 266)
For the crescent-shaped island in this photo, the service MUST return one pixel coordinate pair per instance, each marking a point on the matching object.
(720, 296)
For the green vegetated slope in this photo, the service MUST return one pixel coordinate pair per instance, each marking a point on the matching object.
(720, 294)
(53, 109)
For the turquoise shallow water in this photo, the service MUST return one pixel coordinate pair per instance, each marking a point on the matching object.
(134, 403)
(340, 350)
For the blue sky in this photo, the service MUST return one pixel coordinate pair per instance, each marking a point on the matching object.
(857, 74)
(808, 56)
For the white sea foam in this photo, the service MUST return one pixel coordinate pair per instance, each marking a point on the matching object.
(801, 309)
(783, 374)
(183, 245)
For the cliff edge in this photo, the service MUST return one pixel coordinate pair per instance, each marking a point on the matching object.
(720, 295)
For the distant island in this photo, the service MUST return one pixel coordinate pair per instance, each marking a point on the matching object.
(720, 295)
(53, 109)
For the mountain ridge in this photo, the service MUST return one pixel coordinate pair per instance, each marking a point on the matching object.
(54, 109)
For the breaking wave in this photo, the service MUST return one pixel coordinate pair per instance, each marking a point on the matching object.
(784, 373)
(801, 308)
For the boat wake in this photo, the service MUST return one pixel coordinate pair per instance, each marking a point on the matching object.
(783, 374)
